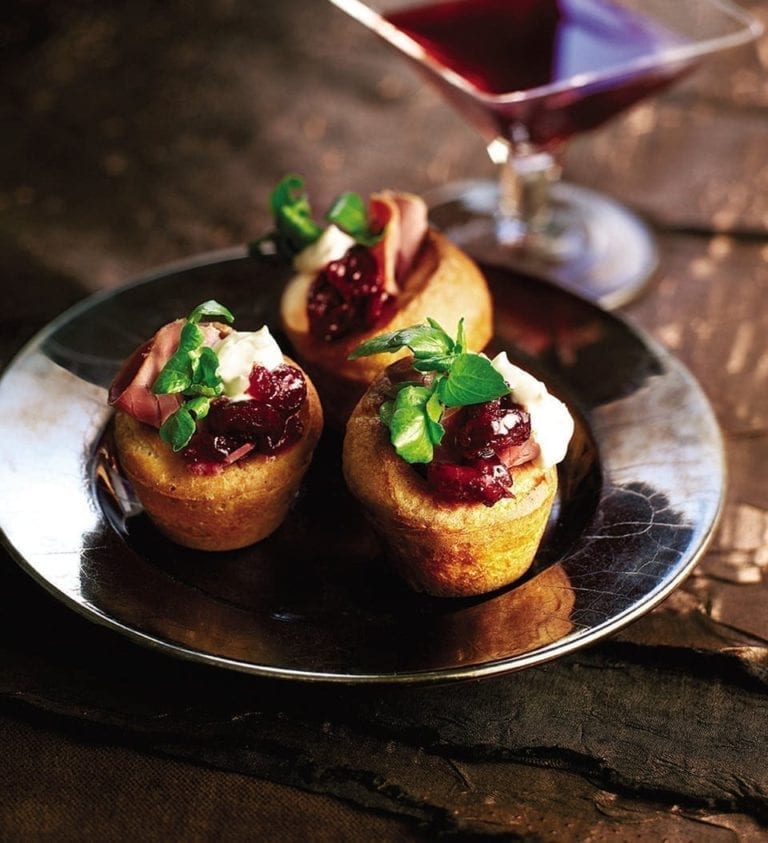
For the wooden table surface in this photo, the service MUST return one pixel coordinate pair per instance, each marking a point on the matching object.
(143, 133)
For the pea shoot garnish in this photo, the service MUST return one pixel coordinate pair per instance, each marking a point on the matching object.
(349, 213)
(295, 228)
(458, 378)
(192, 373)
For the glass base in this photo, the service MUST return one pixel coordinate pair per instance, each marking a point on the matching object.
(596, 248)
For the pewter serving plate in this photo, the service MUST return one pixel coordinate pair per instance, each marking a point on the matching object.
(640, 492)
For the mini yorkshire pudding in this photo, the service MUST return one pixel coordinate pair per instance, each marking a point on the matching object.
(214, 429)
(238, 506)
(442, 282)
(445, 548)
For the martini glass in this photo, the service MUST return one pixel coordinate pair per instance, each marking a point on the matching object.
(529, 74)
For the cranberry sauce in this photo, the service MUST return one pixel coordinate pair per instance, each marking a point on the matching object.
(348, 297)
(266, 423)
(485, 430)
(469, 465)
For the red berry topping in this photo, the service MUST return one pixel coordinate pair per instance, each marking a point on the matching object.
(484, 481)
(490, 427)
(288, 388)
(470, 464)
(348, 296)
(265, 423)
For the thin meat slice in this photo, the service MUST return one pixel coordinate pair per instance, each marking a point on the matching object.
(131, 390)
(514, 455)
(403, 219)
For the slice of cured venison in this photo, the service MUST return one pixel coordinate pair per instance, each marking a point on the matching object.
(131, 390)
(403, 219)
(514, 455)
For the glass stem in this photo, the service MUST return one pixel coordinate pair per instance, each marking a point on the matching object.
(525, 177)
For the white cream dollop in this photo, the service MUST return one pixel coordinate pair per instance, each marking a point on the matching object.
(238, 353)
(332, 244)
(551, 423)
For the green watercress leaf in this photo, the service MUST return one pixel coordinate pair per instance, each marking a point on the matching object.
(295, 227)
(210, 309)
(198, 407)
(433, 364)
(178, 373)
(431, 344)
(198, 390)
(386, 411)
(412, 395)
(409, 434)
(175, 377)
(178, 429)
(434, 412)
(413, 419)
(191, 371)
(205, 370)
(425, 341)
(460, 378)
(471, 380)
(288, 191)
(460, 339)
(348, 213)
(191, 337)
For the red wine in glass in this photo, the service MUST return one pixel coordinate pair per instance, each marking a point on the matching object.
(503, 46)
(530, 74)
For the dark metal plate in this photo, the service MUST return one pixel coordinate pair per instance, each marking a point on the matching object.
(640, 493)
